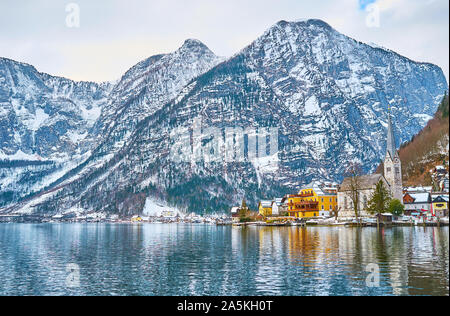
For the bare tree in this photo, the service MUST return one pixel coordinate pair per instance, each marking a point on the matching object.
(335, 212)
(353, 174)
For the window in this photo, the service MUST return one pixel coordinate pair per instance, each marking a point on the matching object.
(388, 170)
(323, 207)
(397, 170)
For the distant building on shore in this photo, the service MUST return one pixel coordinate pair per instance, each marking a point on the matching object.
(235, 213)
(278, 207)
(265, 208)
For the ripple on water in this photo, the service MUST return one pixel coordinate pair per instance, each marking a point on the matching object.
(158, 259)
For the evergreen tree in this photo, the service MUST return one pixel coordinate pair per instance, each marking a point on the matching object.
(444, 107)
(244, 212)
(380, 199)
(396, 207)
(244, 204)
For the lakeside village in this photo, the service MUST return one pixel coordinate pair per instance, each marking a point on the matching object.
(360, 200)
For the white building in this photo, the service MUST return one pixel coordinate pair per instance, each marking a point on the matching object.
(277, 206)
(415, 202)
(367, 185)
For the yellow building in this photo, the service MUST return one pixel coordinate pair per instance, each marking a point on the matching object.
(299, 206)
(136, 219)
(326, 196)
(265, 208)
(440, 205)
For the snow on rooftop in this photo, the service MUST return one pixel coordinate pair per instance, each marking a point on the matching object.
(420, 197)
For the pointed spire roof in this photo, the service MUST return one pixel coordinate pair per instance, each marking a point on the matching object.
(391, 148)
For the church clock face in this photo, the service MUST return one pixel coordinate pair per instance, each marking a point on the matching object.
(396, 160)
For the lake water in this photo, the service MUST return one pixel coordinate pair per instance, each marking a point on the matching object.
(160, 259)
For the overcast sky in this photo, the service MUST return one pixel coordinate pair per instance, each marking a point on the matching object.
(113, 35)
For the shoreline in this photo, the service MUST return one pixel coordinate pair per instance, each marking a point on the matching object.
(346, 225)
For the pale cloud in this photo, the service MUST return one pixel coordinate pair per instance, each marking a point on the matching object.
(114, 35)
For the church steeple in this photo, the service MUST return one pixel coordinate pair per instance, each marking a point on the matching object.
(392, 164)
(391, 148)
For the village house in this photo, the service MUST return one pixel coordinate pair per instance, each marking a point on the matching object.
(445, 184)
(440, 205)
(416, 203)
(278, 207)
(418, 189)
(235, 213)
(440, 178)
(265, 208)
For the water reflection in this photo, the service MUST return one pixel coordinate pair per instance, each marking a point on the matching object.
(208, 260)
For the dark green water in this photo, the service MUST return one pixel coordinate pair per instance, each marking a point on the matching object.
(157, 259)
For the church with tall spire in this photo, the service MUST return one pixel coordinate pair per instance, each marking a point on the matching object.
(366, 184)
(392, 164)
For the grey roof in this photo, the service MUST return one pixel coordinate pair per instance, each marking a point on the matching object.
(364, 182)
(439, 198)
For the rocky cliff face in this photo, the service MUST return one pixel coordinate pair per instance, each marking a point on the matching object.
(324, 94)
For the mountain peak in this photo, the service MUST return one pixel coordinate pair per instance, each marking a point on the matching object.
(304, 22)
(194, 43)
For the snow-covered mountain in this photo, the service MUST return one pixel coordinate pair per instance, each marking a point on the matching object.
(326, 93)
(148, 86)
(46, 122)
(44, 117)
(58, 121)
